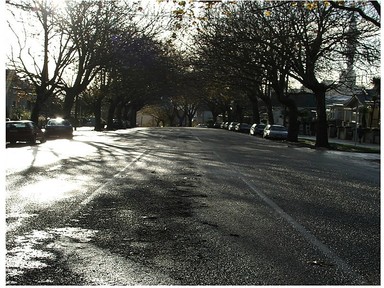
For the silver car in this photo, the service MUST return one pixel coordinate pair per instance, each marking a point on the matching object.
(275, 132)
(257, 129)
(232, 126)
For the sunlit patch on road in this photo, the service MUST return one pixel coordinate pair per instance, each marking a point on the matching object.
(26, 254)
(15, 219)
(49, 190)
(66, 147)
(22, 158)
(34, 250)
(76, 233)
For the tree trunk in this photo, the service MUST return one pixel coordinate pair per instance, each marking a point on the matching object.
(255, 110)
(97, 111)
(69, 100)
(268, 104)
(119, 115)
(321, 123)
(36, 108)
(170, 118)
(132, 117)
(180, 117)
(190, 118)
(372, 113)
(293, 127)
(41, 98)
(214, 118)
(229, 115)
(111, 114)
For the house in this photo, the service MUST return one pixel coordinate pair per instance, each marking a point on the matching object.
(18, 95)
(362, 108)
(345, 112)
(306, 107)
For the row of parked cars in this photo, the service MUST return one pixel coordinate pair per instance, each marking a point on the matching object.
(28, 131)
(265, 130)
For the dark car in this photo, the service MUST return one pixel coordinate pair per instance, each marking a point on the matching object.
(216, 125)
(242, 127)
(275, 132)
(59, 127)
(257, 129)
(23, 131)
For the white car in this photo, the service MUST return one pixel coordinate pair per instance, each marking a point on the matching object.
(275, 132)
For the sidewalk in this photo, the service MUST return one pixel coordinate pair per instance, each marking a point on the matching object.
(344, 142)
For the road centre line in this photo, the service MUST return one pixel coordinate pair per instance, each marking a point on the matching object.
(198, 139)
(358, 279)
(117, 175)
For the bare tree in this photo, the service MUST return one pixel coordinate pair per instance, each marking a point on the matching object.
(93, 28)
(303, 40)
(316, 45)
(232, 49)
(368, 10)
(43, 64)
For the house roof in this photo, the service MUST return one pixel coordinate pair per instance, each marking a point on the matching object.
(302, 99)
(360, 99)
(353, 102)
(305, 99)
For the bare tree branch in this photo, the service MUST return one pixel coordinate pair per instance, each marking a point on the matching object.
(360, 11)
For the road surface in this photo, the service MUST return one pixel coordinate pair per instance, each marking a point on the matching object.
(189, 206)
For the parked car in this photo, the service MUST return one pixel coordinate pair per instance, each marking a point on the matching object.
(232, 125)
(257, 129)
(91, 122)
(59, 127)
(275, 132)
(224, 125)
(201, 126)
(120, 124)
(216, 125)
(242, 127)
(24, 131)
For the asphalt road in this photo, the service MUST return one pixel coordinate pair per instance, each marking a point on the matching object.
(189, 206)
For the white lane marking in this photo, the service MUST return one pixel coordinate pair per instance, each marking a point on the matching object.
(198, 139)
(117, 175)
(308, 236)
(300, 228)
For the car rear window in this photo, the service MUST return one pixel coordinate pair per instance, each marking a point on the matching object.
(17, 125)
(278, 128)
(58, 123)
